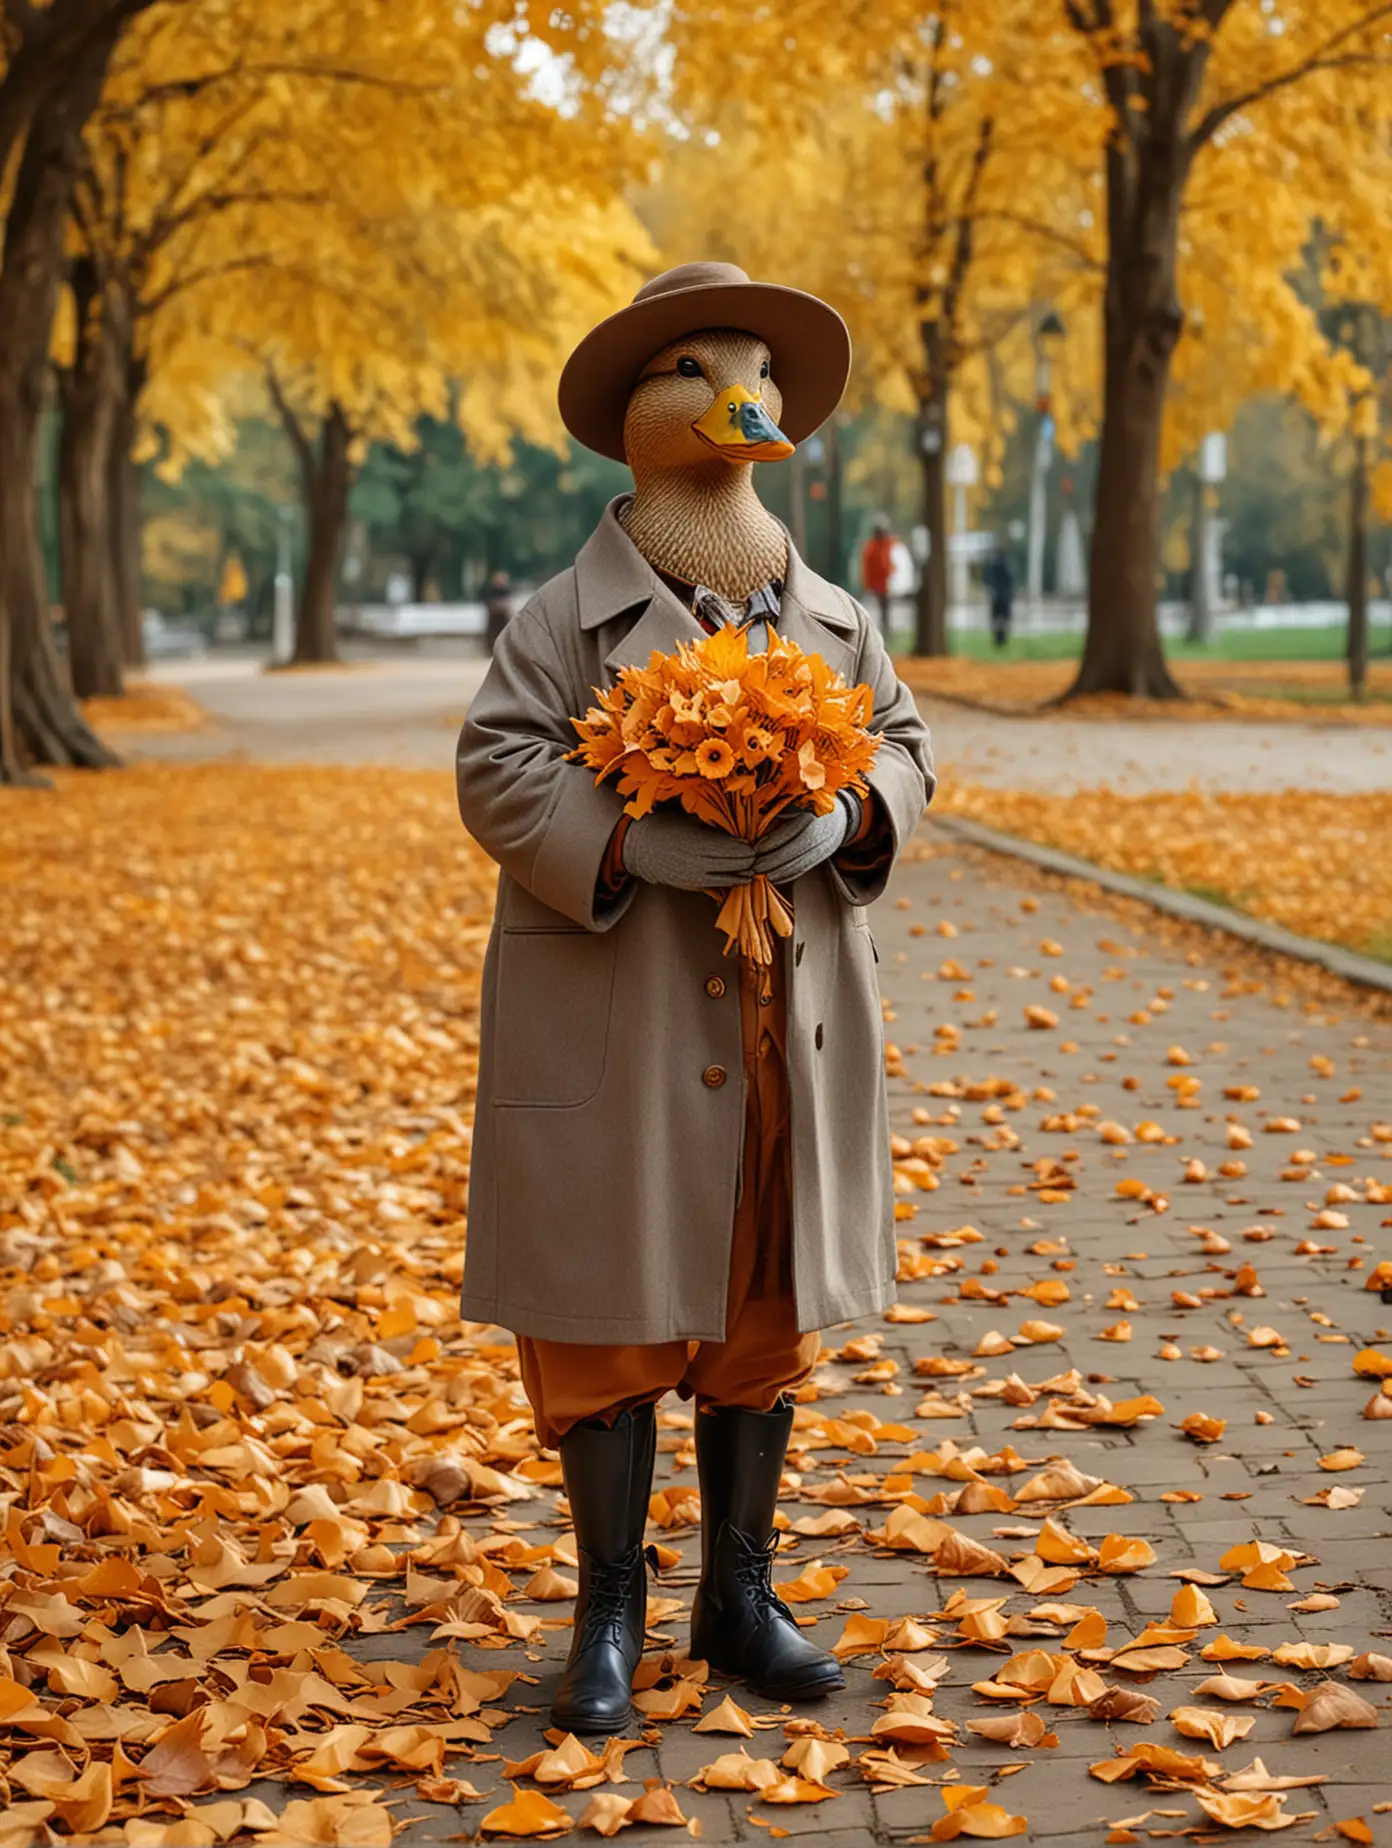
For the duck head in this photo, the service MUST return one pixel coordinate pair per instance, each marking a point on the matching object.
(705, 401)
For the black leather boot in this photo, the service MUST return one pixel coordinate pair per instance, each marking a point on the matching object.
(738, 1624)
(608, 1478)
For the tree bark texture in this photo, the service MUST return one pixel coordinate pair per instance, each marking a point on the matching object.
(91, 390)
(1141, 325)
(38, 718)
(327, 480)
(1357, 587)
(930, 636)
(52, 44)
(123, 508)
(1147, 167)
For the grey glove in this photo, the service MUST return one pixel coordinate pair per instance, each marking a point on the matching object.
(800, 840)
(672, 848)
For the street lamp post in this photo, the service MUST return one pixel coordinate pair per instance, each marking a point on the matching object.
(283, 622)
(1048, 338)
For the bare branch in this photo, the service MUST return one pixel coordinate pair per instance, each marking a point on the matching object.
(195, 86)
(294, 429)
(193, 279)
(1097, 19)
(209, 205)
(1326, 57)
(965, 242)
(1050, 233)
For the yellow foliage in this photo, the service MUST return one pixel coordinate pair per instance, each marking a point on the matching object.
(937, 175)
(376, 202)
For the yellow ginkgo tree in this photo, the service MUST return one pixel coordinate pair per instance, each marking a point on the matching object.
(345, 202)
(346, 194)
(1159, 164)
(53, 64)
(929, 170)
(512, 288)
(1233, 127)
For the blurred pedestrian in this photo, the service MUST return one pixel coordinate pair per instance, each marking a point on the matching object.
(498, 604)
(877, 567)
(1000, 583)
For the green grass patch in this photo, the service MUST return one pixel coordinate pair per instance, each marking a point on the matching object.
(1337, 695)
(1379, 946)
(1294, 644)
(1215, 895)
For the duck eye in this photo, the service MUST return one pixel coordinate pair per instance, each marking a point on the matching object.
(764, 370)
(690, 368)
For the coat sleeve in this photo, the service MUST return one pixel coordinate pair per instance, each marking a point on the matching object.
(902, 779)
(545, 821)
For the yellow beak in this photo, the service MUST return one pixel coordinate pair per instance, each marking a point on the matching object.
(738, 426)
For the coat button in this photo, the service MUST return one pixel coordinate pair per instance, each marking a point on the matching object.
(713, 1076)
(715, 987)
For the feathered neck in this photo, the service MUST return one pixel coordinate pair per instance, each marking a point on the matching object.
(706, 525)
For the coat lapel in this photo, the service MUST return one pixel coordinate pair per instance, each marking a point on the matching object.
(663, 626)
(818, 617)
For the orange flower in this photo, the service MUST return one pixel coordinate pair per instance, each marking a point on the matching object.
(794, 735)
(759, 746)
(810, 767)
(714, 758)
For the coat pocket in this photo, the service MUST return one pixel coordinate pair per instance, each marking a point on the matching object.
(554, 999)
(860, 920)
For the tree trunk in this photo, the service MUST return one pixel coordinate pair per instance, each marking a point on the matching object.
(327, 482)
(1200, 604)
(1141, 326)
(91, 390)
(1357, 648)
(38, 719)
(1123, 652)
(931, 626)
(123, 507)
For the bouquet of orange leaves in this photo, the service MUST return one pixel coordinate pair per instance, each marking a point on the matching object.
(736, 738)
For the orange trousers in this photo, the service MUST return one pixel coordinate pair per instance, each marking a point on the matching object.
(762, 1356)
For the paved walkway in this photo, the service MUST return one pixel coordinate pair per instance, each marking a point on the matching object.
(406, 709)
(1205, 1260)
(1149, 1032)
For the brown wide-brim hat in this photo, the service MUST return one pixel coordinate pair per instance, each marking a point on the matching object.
(809, 344)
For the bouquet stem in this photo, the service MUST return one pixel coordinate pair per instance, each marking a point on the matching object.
(752, 916)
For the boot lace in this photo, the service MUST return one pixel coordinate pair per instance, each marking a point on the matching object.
(610, 1589)
(753, 1566)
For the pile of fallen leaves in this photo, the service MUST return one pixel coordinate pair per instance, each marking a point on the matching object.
(1310, 860)
(1295, 692)
(238, 1045)
(145, 706)
(279, 1555)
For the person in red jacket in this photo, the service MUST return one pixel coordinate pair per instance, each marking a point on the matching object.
(876, 569)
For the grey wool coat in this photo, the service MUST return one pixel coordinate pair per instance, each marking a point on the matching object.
(610, 1120)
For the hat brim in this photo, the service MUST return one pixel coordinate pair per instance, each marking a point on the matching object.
(809, 344)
